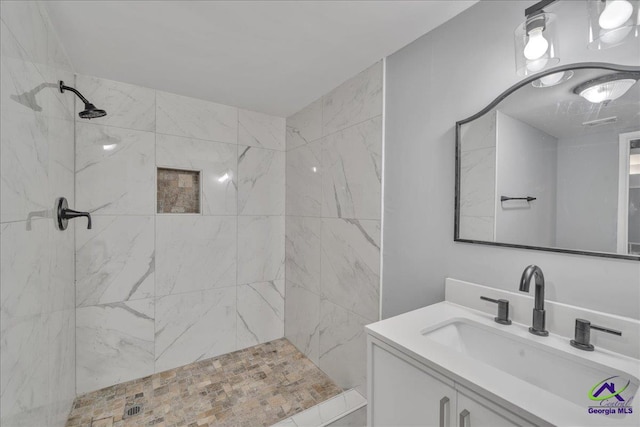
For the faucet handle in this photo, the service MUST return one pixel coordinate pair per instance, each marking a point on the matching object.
(503, 310)
(583, 334)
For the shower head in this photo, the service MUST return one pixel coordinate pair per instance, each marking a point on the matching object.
(90, 111)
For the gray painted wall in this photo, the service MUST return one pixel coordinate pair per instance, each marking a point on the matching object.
(525, 166)
(588, 192)
(445, 76)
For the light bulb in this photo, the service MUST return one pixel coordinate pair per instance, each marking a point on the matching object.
(537, 45)
(615, 14)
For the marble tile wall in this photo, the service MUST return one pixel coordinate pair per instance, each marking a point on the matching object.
(478, 178)
(333, 213)
(37, 312)
(157, 291)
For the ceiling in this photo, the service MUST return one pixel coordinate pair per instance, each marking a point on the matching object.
(269, 56)
(559, 112)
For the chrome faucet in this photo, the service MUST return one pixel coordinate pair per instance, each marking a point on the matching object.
(537, 327)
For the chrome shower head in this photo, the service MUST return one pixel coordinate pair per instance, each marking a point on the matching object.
(90, 111)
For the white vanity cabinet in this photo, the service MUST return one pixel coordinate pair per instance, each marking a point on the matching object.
(403, 392)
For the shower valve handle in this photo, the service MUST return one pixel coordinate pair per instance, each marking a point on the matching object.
(64, 214)
(71, 214)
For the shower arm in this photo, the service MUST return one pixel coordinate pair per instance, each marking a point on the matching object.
(63, 88)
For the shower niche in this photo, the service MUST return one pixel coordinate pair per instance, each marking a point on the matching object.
(178, 191)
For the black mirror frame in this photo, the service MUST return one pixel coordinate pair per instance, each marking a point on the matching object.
(503, 95)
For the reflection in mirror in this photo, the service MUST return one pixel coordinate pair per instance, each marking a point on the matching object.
(629, 194)
(554, 164)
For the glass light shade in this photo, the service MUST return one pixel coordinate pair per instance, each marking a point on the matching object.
(536, 44)
(607, 91)
(613, 22)
(553, 79)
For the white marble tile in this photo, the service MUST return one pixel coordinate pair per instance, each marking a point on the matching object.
(260, 249)
(310, 417)
(480, 133)
(57, 58)
(261, 130)
(194, 252)
(217, 163)
(23, 86)
(115, 260)
(305, 126)
(115, 170)
(261, 179)
(27, 22)
(61, 176)
(31, 86)
(356, 100)
(342, 403)
(352, 171)
(62, 269)
(477, 228)
(302, 252)
(195, 118)
(24, 148)
(23, 370)
(287, 422)
(304, 180)
(333, 411)
(260, 312)
(194, 326)
(302, 320)
(343, 346)
(24, 160)
(37, 341)
(48, 96)
(477, 182)
(25, 261)
(351, 265)
(357, 418)
(127, 106)
(114, 343)
(61, 365)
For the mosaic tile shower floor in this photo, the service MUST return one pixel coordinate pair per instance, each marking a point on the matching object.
(257, 386)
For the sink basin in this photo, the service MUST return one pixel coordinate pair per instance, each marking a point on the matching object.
(554, 371)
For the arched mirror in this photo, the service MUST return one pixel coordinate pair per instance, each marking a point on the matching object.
(554, 164)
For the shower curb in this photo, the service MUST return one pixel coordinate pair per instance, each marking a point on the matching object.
(327, 412)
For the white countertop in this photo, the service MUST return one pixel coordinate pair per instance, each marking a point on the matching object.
(405, 333)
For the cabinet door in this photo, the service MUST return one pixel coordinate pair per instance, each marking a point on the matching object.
(472, 413)
(403, 395)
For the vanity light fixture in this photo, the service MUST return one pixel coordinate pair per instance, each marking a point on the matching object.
(612, 22)
(606, 88)
(535, 40)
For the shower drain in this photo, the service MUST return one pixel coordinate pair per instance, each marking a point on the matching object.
(132, 410)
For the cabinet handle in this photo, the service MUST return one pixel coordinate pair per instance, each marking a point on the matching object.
(465, 418)
(444, 410)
